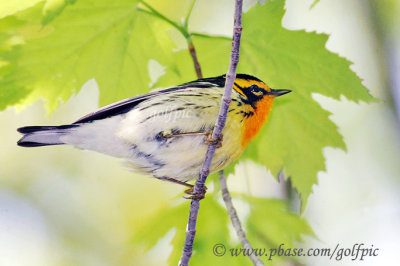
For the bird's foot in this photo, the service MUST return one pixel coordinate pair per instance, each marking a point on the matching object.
(196, 196)
(217, 141)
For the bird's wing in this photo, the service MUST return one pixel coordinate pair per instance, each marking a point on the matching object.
(124, 106)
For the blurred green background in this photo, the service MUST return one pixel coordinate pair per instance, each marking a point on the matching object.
(62, 206)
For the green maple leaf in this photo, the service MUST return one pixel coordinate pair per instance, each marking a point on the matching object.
(298, 128)
(16, 29)
(112, 42)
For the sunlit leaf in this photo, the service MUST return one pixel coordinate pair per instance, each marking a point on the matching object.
(111, 42)
(8, 7)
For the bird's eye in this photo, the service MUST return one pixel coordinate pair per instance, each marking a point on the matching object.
(256, 90)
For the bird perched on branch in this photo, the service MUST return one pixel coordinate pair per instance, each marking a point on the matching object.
(165, 133)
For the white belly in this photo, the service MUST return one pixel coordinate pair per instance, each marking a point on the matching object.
(180, 157)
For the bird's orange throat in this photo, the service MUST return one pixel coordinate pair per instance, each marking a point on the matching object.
(253, 124)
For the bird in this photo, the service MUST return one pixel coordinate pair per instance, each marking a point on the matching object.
(165, 133)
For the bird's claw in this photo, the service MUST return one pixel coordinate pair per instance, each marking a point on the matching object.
(195, 196)
(217, 141)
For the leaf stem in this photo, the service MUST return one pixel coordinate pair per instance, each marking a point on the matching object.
(219, 125)
(186, 23)
(235, 220)
(154, 12)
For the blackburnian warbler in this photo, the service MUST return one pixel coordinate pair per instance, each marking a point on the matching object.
(165, 133)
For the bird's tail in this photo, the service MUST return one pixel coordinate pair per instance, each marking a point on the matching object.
(37, 136)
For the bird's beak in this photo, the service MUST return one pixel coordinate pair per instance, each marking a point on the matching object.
(278, 93)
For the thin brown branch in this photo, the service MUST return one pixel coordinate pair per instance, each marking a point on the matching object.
(219, 125)
(194, 57)
(235, 220)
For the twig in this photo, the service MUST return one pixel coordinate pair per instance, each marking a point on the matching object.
(194, 57)
(205, 169)
(235, 220)
(227, 197)
(225, 193)
(192, 50)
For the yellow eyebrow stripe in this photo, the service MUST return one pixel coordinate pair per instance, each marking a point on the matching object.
(236, 88)
(244, 83)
